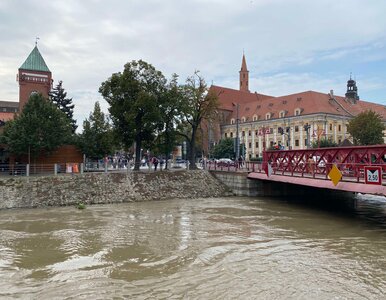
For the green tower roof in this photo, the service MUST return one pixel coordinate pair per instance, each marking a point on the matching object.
(35, 62)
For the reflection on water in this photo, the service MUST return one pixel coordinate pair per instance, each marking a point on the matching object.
(231, 248)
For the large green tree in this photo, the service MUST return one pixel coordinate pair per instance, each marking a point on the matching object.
(134, 96)
(58, 96)
(367, 128)
(224, 149)
(198, 105)
(97, 140)
(171, 110)
(41, 126)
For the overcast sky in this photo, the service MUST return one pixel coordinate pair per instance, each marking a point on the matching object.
(290, 45)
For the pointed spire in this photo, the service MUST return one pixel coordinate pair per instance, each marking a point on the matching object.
(35, 62)
(244, 64)
(244, 75)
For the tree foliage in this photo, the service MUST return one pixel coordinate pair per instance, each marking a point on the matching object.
(134, 96)
(40, 126)
(224, 149)
(96, 140)
(58, 96)
(323, 143)
(197, 105)
(366, 128)
(171, 110)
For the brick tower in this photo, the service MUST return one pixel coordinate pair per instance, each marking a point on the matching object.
(34, 77)
(244, 76)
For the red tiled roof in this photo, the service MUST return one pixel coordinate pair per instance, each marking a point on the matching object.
(229, 96)
(308, 102)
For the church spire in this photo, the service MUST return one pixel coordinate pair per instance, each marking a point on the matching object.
(352, 90)
(244, 76)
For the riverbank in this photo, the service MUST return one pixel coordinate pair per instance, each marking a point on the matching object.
(100, 188)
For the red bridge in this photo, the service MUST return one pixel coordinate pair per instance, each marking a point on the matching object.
(355, 169)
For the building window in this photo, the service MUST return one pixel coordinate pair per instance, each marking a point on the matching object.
(257, 144)
(297, 143)
(339, 128)
(268, 116)
(243, 120)
(231, 134)
(249, 133)
(243, 133)
(232, 121)
(296, 128)
(330, 126)
(282, 114)
(297, 112)
(250, 145)
(254, 118)
(226, 135)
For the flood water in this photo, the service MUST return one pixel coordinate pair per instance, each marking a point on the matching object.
(224, 248)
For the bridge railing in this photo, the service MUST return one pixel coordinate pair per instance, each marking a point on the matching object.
(316, 163)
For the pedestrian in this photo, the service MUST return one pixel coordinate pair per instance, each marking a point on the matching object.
(240, 161)
(310, 165)
(155, 163)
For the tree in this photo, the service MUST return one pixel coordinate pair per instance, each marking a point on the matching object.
(58, 96)
(323, 143)
(40, 126)
(96, 140)
(197, 105)
(366, 128)
(224, 149)
(134, 97)
(171, 110)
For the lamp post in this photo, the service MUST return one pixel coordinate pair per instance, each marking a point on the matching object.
(307, 129)
(237, 131)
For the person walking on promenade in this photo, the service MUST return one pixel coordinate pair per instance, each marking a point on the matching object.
(155, 163)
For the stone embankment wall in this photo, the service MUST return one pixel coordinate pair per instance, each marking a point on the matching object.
(239, 183)
(98, 188)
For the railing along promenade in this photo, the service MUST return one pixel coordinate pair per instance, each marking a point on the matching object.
(315, 163)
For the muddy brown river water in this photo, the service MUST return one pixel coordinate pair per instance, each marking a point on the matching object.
(224, 248)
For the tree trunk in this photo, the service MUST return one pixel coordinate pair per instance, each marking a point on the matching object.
(192, 152)
(137, 162)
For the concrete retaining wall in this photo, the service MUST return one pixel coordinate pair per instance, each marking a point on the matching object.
(25, 192)
(239, 183)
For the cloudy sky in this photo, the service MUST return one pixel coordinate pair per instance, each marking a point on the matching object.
(290, 45)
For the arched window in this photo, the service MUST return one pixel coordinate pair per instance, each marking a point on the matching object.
(268, 116)
(243, 120)
(232, 121)
(282, 114)
(297, 111)
(255, 118)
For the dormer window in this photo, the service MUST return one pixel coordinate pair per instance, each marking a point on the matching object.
(298, 111)
(268, 116)
(232, 121)
(243, 120)
(255, 118)
(282, 114)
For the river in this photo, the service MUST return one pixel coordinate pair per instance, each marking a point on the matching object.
(224, 248)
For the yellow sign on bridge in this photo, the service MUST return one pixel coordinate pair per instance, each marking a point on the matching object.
(335, 175)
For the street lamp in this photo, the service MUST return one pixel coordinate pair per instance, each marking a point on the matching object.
(307, 129)
(237, 131)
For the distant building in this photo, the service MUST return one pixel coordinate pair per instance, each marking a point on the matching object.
(294, 121)
(33, 77)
